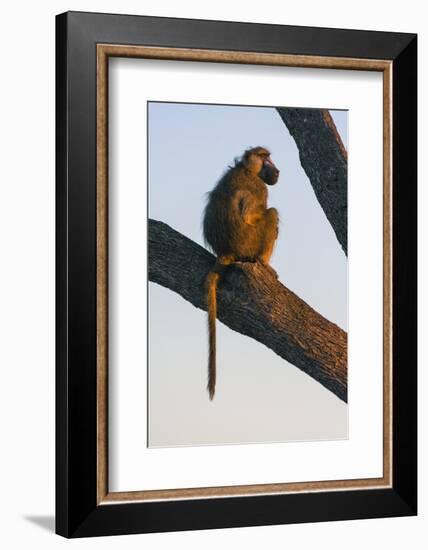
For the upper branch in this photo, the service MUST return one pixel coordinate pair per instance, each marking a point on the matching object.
(325, 161)
(253, 302)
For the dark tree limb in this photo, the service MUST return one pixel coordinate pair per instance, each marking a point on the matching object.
(253, 302)
(325, 161)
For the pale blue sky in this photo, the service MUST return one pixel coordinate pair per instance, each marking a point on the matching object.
(260, 397)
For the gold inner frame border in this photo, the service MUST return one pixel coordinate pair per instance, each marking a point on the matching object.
(104, 52)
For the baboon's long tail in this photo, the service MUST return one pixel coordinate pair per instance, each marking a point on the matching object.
(211, 283)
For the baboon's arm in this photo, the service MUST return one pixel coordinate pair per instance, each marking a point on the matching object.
(250, 209)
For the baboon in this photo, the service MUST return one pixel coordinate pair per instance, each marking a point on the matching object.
(239, 227)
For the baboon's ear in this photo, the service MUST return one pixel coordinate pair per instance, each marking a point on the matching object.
(245, 157)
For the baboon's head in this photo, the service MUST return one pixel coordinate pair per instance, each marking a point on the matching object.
(257, 160)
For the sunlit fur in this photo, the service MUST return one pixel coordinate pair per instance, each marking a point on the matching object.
(238, 226)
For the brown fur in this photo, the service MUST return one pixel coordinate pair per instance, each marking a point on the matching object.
(238, 226)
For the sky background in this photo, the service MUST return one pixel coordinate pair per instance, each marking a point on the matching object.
(260, 397)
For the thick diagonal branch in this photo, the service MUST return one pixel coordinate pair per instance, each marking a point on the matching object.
(253, 302)
(325, 161)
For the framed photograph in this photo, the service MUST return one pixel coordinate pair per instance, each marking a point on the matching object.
(236, 274)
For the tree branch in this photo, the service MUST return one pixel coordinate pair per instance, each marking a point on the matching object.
(325, 161)
(253, 302)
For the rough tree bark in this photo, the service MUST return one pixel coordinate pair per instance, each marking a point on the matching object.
(253, 302)
(325, 161)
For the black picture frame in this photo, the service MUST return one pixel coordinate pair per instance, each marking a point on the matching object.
(78, 514)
